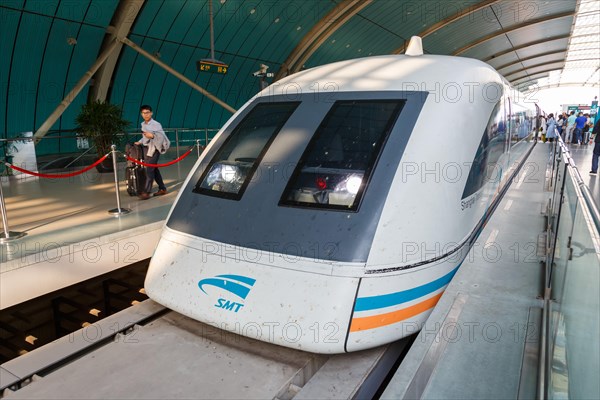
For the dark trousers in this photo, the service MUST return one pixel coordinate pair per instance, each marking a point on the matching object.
(153, 173)
(577, 134)
(595, 156)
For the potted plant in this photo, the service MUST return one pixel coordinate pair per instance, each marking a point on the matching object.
(101, 123)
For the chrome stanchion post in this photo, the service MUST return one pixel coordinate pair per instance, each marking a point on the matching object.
(177, 141)
(198, 147)
(117, 211)
(7, 235)
(206, 136)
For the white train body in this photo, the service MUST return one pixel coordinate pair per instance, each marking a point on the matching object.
(332, 210)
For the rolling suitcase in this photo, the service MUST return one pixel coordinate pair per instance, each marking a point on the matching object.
(135, 174)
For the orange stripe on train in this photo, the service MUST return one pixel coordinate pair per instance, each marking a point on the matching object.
(376, 321)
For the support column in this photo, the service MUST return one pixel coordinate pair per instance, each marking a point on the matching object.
(122, 21)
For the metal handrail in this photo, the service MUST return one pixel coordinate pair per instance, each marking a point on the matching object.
(79, 156)
(585, 191)
(127, 133)
(544, 346)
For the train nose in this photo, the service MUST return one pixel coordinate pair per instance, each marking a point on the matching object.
(292, 308)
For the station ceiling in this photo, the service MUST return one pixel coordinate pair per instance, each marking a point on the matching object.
(48, 45)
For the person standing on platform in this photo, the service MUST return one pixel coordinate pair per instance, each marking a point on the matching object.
(560, 124)
(570, 127)
(585, 132)
(579, 124)
(596, 154)
(551, 132)
(155, 143)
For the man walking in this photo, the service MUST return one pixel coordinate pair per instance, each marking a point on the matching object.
(155, 143)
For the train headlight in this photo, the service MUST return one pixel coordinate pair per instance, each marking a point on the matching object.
(353, 183)
(229, 173)
(223, 174)
(350, 185)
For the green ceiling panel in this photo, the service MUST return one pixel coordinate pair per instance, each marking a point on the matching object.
(406, 18)
(504, 59)
(122, 73)
(357, 38)
(536, 70)
(75, 10)
(198, 26)
(511, 12)
(138, 79)
(529, 80)
(488, 48)
(554, 45)
(151, 13)
(54, 68)
(151, 93)
(182, 91)
(189, 12)
(42, 7)
(166, 18)
(43, 66)
(85, 53)
(101, 12)
(12, 4)
(462, 32)
(547, 29)
(535, 61)
(166, 102)
(297, 20)
(25, 69)
(8, 31)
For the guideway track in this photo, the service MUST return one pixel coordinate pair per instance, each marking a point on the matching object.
(148, 351)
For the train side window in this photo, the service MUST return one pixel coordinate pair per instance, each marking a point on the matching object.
(229, 172)
(337, 164)
(492, 146)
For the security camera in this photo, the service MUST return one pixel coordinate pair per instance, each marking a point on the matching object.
(262, 71)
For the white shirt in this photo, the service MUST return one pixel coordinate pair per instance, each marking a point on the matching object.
(160, 141)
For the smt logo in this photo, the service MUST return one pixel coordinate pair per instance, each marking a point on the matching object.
(235, 284)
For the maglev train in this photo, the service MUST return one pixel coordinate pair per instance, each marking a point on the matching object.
(332, 210)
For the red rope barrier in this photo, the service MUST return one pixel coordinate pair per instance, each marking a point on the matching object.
(184, 155)
(56, 175)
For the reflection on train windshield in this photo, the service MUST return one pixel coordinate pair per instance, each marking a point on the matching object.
(335, 168)
(230, 170)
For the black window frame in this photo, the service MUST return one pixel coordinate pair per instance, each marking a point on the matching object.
(368, 172)
(216, 157)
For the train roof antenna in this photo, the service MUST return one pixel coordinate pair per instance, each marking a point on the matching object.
(415, 47)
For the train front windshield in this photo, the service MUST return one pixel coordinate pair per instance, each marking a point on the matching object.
(336, 166)
(232, 167)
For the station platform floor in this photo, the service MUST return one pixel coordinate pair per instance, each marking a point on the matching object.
(71, 237)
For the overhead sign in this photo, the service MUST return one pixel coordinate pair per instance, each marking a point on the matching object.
(212, 67)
